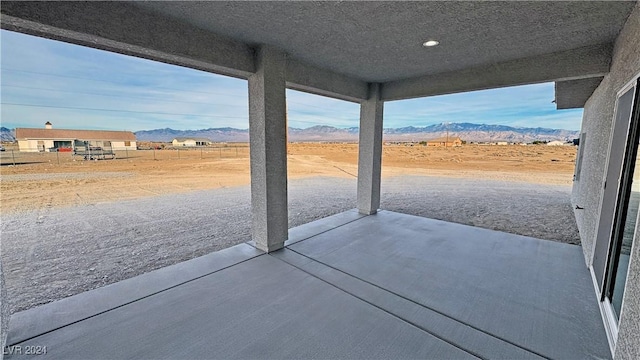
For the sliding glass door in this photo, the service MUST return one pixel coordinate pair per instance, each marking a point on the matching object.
(626, 218)
(627, 203)
(616, 159)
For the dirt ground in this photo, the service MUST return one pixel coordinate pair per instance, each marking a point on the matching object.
(73, 226)
(57, 179)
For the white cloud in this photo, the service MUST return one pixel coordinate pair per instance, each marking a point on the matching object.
(45, 72)
(529, 105)
(62, 75)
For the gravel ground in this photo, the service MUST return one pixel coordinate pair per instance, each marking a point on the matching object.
(58, 252)
(66, 176)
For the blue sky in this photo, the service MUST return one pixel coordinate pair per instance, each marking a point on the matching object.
(78, 87)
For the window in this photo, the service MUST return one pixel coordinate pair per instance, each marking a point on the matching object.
(127, 143)
(581, 145)
(61, 144)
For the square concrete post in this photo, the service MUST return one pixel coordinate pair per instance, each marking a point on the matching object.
(370, 152)
(4, 312)
(268, 149)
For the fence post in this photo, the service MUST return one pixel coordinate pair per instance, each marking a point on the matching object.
(126, 151)
(13, 156)
(58, 156)
(200, 153)
(220, 152)
(154, 153)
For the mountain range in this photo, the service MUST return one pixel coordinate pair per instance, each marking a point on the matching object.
(6, 135)
(465, 131)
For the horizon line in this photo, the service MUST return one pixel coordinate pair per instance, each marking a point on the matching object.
(293, 127)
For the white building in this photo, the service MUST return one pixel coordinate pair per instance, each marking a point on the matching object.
(558, 143)
(191, 142)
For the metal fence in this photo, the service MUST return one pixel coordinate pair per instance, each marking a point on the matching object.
(14, 157)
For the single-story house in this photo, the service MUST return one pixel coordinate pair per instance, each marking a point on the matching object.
(49, 139)
(181, 141)
(445, 141)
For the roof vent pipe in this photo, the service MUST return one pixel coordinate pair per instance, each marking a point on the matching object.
(48, 125)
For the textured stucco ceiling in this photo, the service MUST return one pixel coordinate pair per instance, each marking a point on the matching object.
(381, 41)
(336, 48)
(575, 93)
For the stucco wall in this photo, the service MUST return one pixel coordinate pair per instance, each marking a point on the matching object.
(120, 145)
(32, 145)
(597, 123)
(628, 345)
(4, 312)
(627, 64)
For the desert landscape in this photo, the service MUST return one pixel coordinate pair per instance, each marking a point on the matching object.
(58, 179)
(71, 225)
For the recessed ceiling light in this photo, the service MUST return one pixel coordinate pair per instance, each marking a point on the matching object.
(430, 43)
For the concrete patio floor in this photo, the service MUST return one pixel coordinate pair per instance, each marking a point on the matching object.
(349, 286)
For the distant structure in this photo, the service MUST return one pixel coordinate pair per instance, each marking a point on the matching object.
(559, 143)
(445, 142)
(51, 140)
(191, 142)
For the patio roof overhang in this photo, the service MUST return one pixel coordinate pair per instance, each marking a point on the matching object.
(336, 48)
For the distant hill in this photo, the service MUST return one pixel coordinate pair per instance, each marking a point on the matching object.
(218, 135)
(480, 132)
(6, 135)
(465, 131)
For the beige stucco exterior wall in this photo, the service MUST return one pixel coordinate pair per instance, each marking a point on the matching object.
(32, 145)
(120, 145)
(4, 312)
(597, 123)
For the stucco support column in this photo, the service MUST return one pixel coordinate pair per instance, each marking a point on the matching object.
(370, 152)
(4, 312)
(268, 141)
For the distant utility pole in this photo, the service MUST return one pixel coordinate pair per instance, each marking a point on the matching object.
(446, 126)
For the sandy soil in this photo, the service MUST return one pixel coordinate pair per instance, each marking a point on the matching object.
(78, 225)
(43, 182)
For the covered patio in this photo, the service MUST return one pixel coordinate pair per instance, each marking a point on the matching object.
(383, 286)
(365, 283)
